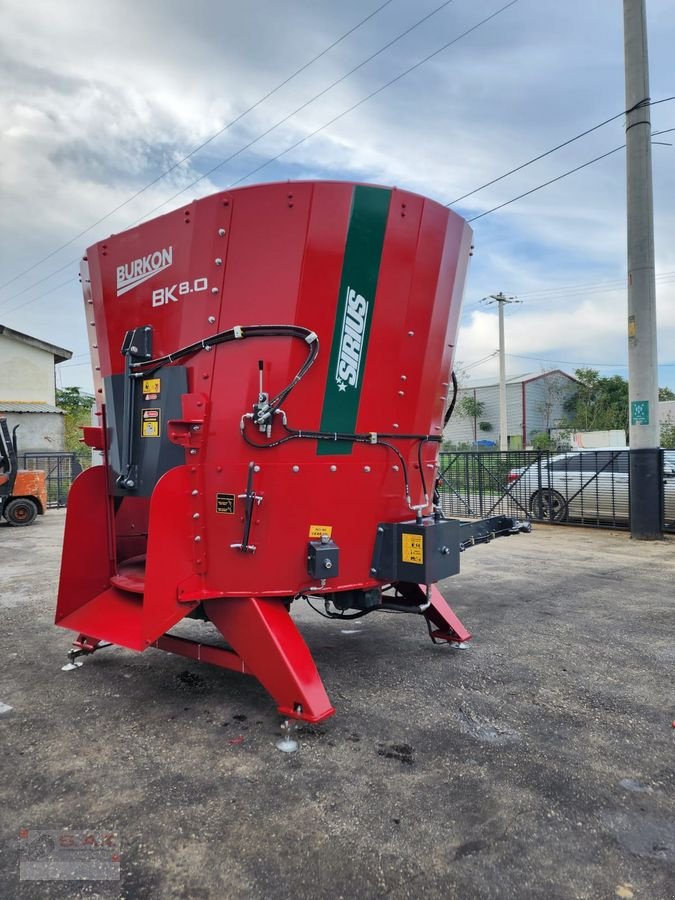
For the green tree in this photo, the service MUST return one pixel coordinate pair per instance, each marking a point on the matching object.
(599, 403)
(77, 407)
(668, 434)
(556, 389)
(471, 408)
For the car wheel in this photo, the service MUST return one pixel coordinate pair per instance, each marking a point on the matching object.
(549, 505)
(21, 511)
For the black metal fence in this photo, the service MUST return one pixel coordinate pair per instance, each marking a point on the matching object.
(588, 487)
(60, 470)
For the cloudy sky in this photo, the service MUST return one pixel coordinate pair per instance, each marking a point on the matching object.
(98, 100)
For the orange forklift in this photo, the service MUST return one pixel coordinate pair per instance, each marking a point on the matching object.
(23, 493)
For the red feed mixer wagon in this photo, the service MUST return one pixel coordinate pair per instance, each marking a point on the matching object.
(273, 368)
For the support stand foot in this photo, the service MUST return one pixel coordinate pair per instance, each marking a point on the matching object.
(83, 646)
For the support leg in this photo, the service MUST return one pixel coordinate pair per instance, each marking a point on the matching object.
(444, 625)
(447, 625)
(83, 646)
(261, 631)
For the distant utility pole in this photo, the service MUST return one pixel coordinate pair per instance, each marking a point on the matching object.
(500, 299)
(645, 467)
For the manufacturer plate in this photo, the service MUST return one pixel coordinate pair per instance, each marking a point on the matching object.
(225, 504)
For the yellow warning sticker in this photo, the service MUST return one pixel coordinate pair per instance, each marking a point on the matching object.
(318, 531)
(150, 423)
(151, 385)
(412, 548)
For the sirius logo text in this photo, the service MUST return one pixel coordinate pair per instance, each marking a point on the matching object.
(137, 271)
(351, 340)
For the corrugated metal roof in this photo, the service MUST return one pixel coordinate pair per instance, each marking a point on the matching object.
(471, 383)
(12, 406)
(494, 379)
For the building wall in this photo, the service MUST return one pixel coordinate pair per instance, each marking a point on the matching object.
(545, 403)
(551, 389)
(38, 431)
(460, 428)
(666, 410)
(26, 373)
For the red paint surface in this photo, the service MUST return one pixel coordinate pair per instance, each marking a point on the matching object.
(281, 247)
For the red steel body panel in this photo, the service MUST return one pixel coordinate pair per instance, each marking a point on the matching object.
(268, 254)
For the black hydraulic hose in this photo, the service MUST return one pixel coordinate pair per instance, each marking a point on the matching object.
(330, 615)
(420, 465)
(423, 440)
(450, 410)
(241, 332)
(237, 332)
(373, 440)
(143, 368)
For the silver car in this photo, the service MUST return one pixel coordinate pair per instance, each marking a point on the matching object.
(590, 485)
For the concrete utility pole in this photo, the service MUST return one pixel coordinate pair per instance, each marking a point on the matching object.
(645, 466)
(500, 299)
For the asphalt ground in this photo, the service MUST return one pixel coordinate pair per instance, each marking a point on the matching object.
(536, 764)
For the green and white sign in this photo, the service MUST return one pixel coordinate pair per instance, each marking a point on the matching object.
(354, 313)
(639, 412)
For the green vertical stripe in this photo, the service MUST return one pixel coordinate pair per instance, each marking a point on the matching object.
(354, 314)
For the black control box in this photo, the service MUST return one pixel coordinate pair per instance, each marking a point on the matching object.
(323, 559)
(419, 553)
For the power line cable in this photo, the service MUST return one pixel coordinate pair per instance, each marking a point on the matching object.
(567, 362)
(479, 362)
(7, 312)
(373, 93)
(421, 62)
(536, 159)
(618, 285)
(265, 133)
(546, 184)
(559, 147)
(582, 288)
(562, 292)
(305, 105)
(202, 145)
(70, 263)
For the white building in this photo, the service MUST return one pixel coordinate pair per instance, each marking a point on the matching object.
(28, 390)
(666, 412)
(534, 405)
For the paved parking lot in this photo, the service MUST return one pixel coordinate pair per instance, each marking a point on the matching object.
(536, 764)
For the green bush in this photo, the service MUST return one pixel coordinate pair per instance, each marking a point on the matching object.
(543, 441)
